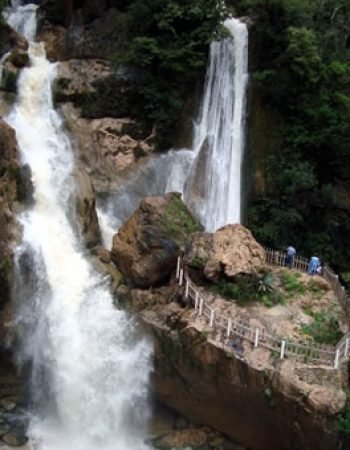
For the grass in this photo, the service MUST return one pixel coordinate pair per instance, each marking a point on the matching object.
(325, 327)
(291, 283)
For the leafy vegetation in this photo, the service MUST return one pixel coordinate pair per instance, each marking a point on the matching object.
(167, 43)
(325, 328)
(248, 288)
(343, 422)
(301, 71)
(291, 283)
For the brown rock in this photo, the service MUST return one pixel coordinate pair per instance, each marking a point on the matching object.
(229, 251)
(146, 246)
(19, 58)
(103, 254)
(85, 207)
(54, 38)
(76, 77)
(327, 401)
(13, 38)
(107, 147)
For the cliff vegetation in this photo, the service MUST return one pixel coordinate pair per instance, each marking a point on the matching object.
(301, 71)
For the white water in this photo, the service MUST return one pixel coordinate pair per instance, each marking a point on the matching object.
(89, 370)
(213, 188)
(209, 176)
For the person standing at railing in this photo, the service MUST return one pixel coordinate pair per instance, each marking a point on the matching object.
(291, 252)
(314, 264)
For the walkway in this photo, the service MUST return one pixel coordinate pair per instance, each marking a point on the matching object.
(229, 326)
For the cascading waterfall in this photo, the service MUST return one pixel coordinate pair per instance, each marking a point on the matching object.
(209, 175)
(213, 188)
(89, 368)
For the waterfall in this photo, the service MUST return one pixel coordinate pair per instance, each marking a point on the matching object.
(209, 175)
(213, 187)
(89, 367)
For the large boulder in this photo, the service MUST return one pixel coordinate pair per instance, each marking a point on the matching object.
(85, 207)
(230, 251)
(146, 247)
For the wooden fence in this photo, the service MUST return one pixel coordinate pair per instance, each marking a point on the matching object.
(239, 326)
(279, 259)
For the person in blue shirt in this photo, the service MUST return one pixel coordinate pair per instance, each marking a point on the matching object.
(291, 252)
(313, 265)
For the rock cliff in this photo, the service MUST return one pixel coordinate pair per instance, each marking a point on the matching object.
(247, 393)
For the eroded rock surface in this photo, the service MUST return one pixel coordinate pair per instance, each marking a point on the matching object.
(249, 394)
(230, 251)
(85, 207)
(107, 147)
(146, 247)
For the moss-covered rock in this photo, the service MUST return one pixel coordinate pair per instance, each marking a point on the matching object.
(147, 245)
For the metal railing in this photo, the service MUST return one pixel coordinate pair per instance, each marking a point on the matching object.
(238, 325)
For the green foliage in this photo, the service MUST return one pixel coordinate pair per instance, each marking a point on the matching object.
(249, 288)
(167, 42)
(343, 421)
(197, 262)
(291, 283)
(176, 220)
(302, 72)
(325, 327)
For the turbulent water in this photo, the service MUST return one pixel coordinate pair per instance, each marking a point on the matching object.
(89, 370)
(209, 175)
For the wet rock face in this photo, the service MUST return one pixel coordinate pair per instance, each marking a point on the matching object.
(230, 251)
(107, 147)
(147, 245)
(10, 182)
(85, 207)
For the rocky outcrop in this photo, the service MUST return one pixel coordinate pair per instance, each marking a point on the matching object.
(230, 251)
(13, 47)
(12, 189)
(107, 147)
(10, 39)
(146, 247)
(248, 394)
(10, 183)
(75, 78)
(85, 207)
(81, 31)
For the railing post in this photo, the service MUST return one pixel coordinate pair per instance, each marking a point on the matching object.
(187, 288)
(201, 304)
(212, 317)
(336, 359)
(181, 277)
(257, 335)
(283, 348)
(178, 265)
(347, 342)
(229, 327)
(196, 301)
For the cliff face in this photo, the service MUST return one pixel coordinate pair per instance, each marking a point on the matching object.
(262, 405)
(247, 393)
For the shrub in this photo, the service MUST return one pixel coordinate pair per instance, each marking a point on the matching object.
(325, 327)
(290, 283)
